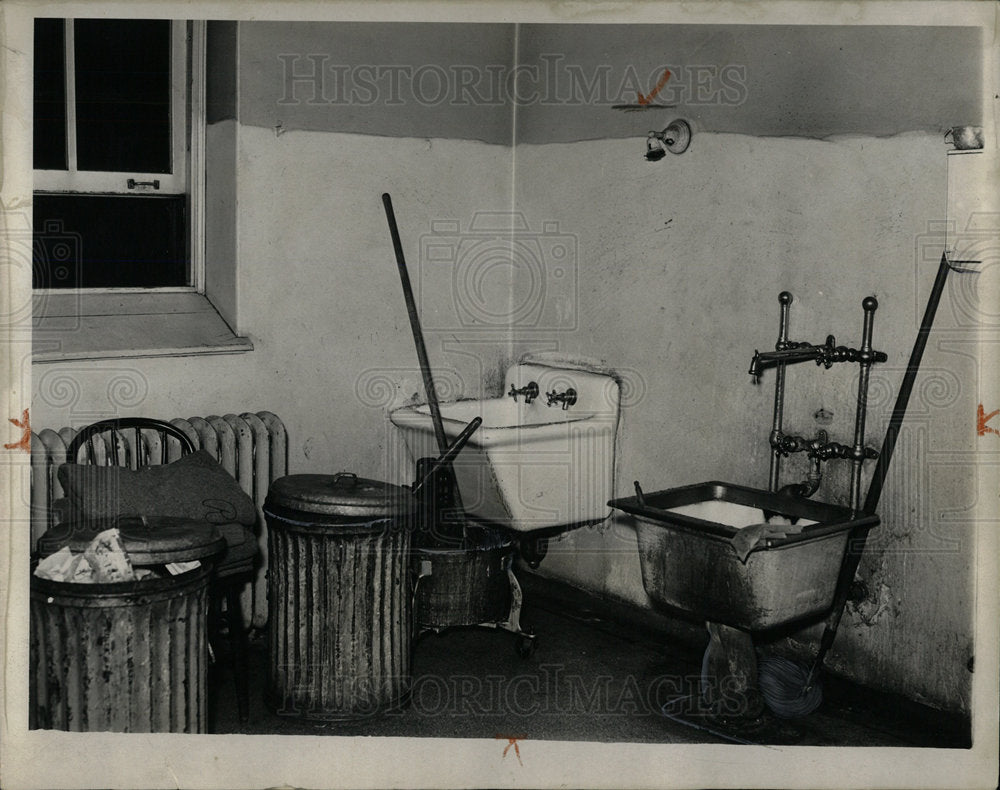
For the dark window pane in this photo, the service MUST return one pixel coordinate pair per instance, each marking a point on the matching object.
(109, 241)
(50, 95)
(123, 95)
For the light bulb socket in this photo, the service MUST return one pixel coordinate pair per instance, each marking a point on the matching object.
(654, 148)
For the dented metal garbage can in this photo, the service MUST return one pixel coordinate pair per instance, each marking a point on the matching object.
(339, 598)
(124, 656)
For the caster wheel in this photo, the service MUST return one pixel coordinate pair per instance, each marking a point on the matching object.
(526, 646)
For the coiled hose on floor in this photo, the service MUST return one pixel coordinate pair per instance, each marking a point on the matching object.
(784, 685)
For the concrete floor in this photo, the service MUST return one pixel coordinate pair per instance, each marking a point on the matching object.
(593, 677)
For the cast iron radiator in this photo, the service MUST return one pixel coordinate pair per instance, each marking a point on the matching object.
(252, 447)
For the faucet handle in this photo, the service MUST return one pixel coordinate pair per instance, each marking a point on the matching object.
(529, 391)
(567, 398)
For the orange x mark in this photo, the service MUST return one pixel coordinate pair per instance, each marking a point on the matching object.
(656, 89)
(24, 443)
(512, 741)
(982, 418)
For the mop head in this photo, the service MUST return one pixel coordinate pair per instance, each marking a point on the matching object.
(782, 684)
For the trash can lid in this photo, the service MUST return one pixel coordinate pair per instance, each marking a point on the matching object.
(152, 540)
(342, 494)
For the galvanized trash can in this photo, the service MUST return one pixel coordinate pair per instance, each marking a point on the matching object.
(338, 595)
(124, 656)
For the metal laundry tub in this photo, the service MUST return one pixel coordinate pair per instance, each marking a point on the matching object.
(689, 563)
(124, 656)
(340, 619)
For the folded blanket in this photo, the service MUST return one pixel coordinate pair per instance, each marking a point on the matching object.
(194, 486)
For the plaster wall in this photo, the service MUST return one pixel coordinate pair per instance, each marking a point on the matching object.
(679, 266)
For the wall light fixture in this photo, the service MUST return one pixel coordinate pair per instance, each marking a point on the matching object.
(675, 138)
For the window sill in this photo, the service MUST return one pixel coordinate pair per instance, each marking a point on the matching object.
(128, 324)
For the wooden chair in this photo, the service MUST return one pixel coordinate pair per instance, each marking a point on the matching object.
(107, 442)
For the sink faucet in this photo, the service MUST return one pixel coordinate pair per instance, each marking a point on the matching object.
(567, 398)
(825, 355)
(529, 391)
(793, 352)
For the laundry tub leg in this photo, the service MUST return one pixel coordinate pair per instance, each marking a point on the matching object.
(729, 673)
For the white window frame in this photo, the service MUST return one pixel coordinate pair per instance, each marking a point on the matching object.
(188, 73)
(116, 182)
(83, 311)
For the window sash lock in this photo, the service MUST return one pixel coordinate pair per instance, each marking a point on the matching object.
(133, 184)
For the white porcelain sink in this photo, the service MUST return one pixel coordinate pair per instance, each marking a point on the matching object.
(530, 466)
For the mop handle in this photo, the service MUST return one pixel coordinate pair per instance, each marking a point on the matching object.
(856, 544)
(906, 388)
(418, 335)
